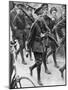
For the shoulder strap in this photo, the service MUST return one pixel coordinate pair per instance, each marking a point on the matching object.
(46, 24)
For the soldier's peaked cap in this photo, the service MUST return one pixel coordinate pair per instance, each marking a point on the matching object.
(22, 5)
(38, 9)
(53, 9)
(44, 5)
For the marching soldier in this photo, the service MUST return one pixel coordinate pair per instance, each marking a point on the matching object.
(39, 44)
(19, 25)
(52, 43)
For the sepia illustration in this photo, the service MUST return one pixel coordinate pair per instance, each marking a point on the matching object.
(37, 44)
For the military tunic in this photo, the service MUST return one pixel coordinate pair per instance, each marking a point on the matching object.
(35, 41)
(38, 43)
(20, 34)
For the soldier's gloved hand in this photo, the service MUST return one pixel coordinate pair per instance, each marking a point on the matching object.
(54, 28)
(15, 27)
(42, 35)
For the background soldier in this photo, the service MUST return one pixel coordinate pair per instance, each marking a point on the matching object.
(54, 45)
(53, 12)
(13, 13)
(19, 23)
(11, 5)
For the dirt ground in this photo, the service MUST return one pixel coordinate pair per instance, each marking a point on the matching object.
(47, 79)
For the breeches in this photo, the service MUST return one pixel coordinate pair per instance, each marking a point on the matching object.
(38, 57)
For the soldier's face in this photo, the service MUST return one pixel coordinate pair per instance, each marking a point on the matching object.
(19, 11)
(16, 7)
(45, 10)
(54, 14)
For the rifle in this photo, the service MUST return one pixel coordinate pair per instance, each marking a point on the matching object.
(58, 24)
(23, 10)
(31, 7)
